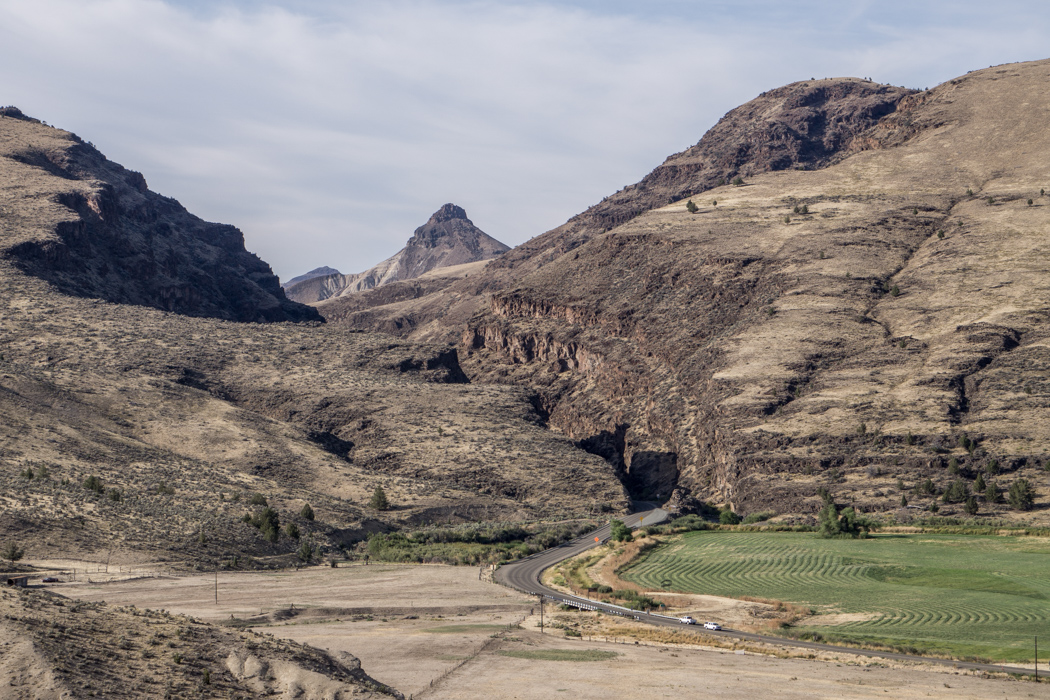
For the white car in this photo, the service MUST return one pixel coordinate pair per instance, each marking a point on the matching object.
(712, 626)
(687, 620)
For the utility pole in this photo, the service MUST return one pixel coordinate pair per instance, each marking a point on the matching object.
(216, 583)
(1037, 659)
(541, 614)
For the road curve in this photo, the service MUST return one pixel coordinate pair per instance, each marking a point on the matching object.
(524, 575)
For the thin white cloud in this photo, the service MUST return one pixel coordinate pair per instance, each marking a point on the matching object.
(328, 130)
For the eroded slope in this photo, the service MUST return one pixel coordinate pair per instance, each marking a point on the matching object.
(753, 353)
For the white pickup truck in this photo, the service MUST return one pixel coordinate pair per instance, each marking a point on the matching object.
(712, 626)
(687, 620)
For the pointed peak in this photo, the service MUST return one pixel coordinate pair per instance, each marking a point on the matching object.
(447, 213)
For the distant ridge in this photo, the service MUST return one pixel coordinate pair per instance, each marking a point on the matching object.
(322, 271)
(448, 238)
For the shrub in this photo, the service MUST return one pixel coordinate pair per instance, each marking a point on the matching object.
(1029, 202)
(738, 181)
(307, 513)
(787, 219)
(909, 439)
(293, 530)
(940, 234)
(268, 522)
(689, 523)
(991, 492)
(990, 200)
(849, 523)
(27, 473)
(1021, 495)
(306, 552)
(957, 492)
(115, 495)
(979, 483)
(714, 202)
(914, 211)
(258, 499)
(93, 483)
(753, 518)
(971, 506)
(379, 500)
(691, 207)
(969, 192)
(728, 517)
(862, 428)
(992, 467)
(619, 531)
(12, 552)
(926, 488)
(904, 501)
(163, 488)
(796, 209)
(953, 466)
(895, 291)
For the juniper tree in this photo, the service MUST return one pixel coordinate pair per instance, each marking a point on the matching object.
(379, 500)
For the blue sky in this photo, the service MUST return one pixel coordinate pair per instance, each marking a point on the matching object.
(327, 131)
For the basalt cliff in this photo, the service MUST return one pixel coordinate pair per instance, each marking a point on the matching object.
(841, 288)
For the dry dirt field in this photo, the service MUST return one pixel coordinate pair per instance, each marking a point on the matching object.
(439, 632)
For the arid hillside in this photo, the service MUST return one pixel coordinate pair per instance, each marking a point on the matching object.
(182, 419)
(92, 228)
(861, 311)
(59, 648)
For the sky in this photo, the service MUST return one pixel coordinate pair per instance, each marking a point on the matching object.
(328, 130)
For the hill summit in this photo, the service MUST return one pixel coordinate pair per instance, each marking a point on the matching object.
(92, 228)
(447, 239)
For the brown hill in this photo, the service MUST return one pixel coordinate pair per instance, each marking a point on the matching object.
(182, 419)
(91, 228)
(878, 317)
(55, 648)
(447, 239)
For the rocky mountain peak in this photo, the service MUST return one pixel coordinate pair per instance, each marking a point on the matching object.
(447, 239)
(447, 213)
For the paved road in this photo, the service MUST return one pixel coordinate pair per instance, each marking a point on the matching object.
(524, 575)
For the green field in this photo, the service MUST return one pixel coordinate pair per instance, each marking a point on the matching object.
(967, 596)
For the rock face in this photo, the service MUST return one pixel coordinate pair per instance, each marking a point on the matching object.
(867, 303)
(448, 239)
(92, 228)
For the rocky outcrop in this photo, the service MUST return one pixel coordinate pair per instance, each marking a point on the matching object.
(447, 239)
(92, 228)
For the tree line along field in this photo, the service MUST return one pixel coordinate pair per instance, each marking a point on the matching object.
(961, 595)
